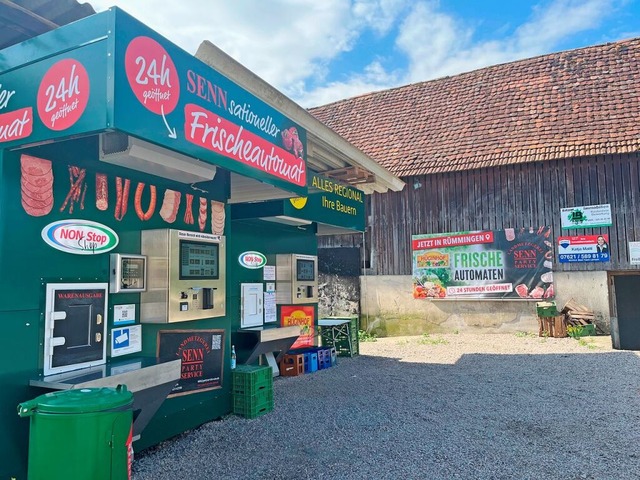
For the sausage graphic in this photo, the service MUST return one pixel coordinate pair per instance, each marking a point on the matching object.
(145, 215)
(122, 197)
(102, 192)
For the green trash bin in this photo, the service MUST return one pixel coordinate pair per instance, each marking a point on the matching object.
(83, 434)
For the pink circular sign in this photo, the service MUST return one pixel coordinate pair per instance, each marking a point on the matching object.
(63, 94)
(152, 75)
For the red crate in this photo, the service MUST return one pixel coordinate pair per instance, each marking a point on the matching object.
(292, 365)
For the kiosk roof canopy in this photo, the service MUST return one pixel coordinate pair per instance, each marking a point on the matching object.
(327, 152)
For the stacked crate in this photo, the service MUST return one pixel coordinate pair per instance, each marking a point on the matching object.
(292, 365)
(341, 343)
(252, 390)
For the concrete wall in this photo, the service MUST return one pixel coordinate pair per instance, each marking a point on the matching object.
(389, 309)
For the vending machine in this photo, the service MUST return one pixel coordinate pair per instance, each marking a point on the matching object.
(185, 276)
(296, 279)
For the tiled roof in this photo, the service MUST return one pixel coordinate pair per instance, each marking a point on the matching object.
(575, 103)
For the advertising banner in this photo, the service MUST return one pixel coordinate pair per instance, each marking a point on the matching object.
(168, 97)
(585, 248)
(202, 356)
(303, 317)
(54, 97)
(586, 217)
(491, 264)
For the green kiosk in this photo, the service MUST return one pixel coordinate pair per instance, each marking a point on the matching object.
(153, 207)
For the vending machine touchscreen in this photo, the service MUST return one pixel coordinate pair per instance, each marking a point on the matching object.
(296, 278)
(186, 276)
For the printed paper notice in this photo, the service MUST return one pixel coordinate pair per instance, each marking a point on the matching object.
(269, 272)
(634, 253)
(126, 340)
(124, 314)
(270, 315)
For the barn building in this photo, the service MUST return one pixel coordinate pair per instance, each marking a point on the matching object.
(511, 146)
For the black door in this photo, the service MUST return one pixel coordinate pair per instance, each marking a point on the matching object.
(627, 291)
(82, 328)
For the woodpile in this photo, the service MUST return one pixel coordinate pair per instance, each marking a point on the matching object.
(577, 314)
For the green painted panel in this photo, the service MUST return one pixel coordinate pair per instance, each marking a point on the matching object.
(269, 239)
(55, 97)
(338, 205)
(167, 96)
(18, 364)
(22, 249)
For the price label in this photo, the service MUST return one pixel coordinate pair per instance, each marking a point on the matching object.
(63, 94)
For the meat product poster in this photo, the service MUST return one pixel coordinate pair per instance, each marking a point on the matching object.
(508, 264)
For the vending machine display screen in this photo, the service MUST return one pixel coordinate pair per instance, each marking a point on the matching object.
(198, 260)
(305, 270)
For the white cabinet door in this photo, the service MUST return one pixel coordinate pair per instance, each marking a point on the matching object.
(251, 310)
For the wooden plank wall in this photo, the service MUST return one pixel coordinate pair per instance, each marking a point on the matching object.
(512, 196)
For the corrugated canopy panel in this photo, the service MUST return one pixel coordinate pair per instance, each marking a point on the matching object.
(24, 19)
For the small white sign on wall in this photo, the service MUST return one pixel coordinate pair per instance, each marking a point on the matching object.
(634, 253)
(126, 340)
(124, 314)
(270, 309)
(269, 272)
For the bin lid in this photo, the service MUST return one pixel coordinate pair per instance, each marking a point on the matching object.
(84, 400)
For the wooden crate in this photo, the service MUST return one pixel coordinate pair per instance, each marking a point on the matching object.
(552, 326)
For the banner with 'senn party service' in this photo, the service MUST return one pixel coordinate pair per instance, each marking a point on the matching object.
(490, 264)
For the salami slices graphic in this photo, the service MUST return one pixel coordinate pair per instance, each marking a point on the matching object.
(36, 185)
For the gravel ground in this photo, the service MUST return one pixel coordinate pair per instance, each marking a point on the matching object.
(433, 407)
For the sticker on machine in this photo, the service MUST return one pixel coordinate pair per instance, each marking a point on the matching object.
(80, 237)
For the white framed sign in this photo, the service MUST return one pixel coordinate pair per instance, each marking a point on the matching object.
(124, 314)
(634, 253)
(588, 216)
(126, 340)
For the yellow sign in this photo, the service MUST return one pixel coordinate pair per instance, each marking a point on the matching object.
(298, 202)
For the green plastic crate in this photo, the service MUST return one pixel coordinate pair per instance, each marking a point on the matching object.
(341, 345)
(249, 379)
(252, 406)
(578, 331)
(547, 309)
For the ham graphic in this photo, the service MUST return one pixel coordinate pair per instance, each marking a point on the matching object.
(170, 205)
(202, 214)
(217, 218)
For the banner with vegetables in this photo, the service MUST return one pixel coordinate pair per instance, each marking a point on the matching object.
(490, 264)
